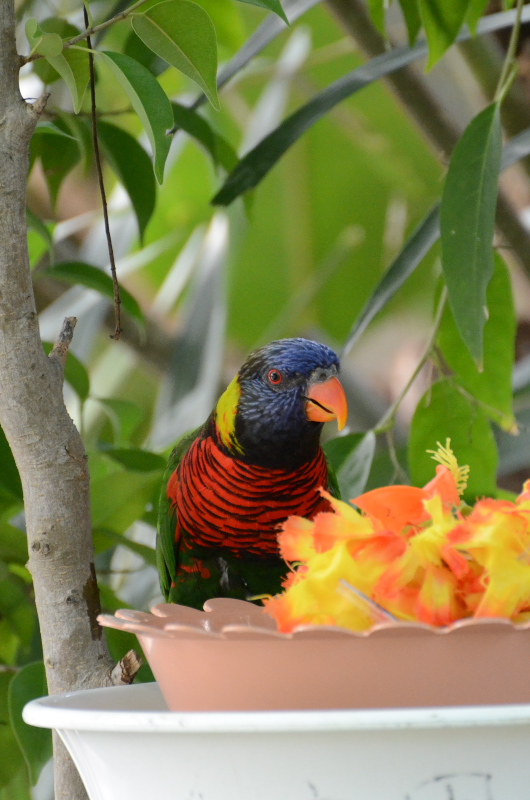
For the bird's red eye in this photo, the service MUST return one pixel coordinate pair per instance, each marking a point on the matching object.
(275, 376)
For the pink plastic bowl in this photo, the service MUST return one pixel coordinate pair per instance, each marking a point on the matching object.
(231, 657)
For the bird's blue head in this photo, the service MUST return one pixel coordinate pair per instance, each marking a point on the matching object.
(272, 412)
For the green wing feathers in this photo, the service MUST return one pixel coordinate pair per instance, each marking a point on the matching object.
(167, 518)
(333, 482)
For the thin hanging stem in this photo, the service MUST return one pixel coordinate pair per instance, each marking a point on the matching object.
(388, 419)
(97, 157)
(509, 68)
(399, 472)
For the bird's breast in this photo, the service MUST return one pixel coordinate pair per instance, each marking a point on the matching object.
(224, 502)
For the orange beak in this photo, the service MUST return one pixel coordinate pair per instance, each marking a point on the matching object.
(327, 401)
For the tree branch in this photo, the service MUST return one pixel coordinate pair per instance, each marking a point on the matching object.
(64, 340)
(92, 29)
(45, 443)
(125, 670)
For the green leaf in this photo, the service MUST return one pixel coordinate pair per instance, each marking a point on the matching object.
(72, 66)
(49, 129)
(220, 150)
(148, 100)
(424, 237)
(442, 22)
(492, 386)
(475, 10)
(12, 760)
(266, 33)
(18, 787)
(36, 248)
(77, 272)
(75, 372)
(9, 647)
(13, 544)
(43, 43)
(260, 160)
(351, 458)
(9, 477)
(444, 412)
(147, 553)
(82, 133)
(32, 31)
(467, 222)
(117, 503)
(182, 33)
(136, 49)
(271, 5)
(338, 449)
(124, 416)
(58, 152)
(133, 167)
(5, 678)
(411, 12)
(17, 609)
(35, 223)
(227, 21)
(50, 45)
(136, 459)
(377, 12)
(59, 26)
(35, 743)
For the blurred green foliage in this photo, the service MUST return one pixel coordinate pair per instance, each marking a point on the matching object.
(303, 253)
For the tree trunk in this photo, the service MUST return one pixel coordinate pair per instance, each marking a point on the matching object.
(46, 445)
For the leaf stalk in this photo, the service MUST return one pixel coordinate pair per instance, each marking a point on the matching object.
(388, 419)
(510, 68)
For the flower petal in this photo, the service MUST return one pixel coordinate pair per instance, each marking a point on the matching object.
(444, 485)
(394, 507)
(296, 539)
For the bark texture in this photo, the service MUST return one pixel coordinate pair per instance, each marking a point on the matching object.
(46, 445)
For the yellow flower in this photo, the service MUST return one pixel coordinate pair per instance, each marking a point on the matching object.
(409, 552)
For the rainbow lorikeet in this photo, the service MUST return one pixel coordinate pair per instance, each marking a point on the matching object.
(256, 460)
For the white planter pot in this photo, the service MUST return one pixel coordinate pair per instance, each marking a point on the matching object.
(126, 744)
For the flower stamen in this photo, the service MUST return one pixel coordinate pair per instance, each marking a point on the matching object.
(446, 457)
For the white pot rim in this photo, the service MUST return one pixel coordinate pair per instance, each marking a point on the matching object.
(90, 710)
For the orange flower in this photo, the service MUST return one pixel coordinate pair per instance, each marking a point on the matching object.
(437, 602)
(394, 507)
(496, 535)
(409, 552)
(296, 539)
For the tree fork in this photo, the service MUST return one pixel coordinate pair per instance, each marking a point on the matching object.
(46, 446)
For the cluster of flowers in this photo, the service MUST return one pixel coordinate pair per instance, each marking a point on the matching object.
(401, 552)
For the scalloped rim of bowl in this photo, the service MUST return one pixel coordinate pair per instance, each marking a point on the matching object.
(225, 618)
